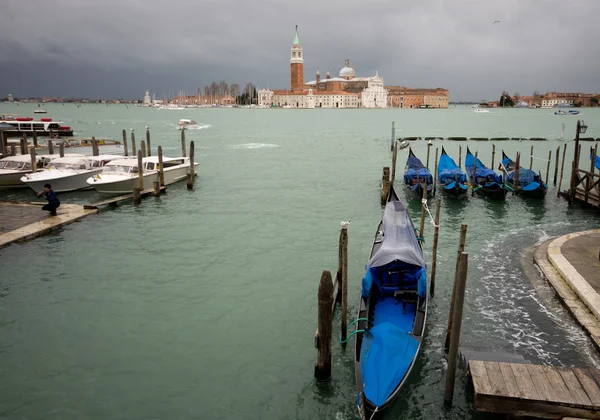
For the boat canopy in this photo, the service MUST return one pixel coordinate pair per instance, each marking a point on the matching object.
(449, 171)
(416, 169)
(526, 176)
(482, 170)
(597, 160)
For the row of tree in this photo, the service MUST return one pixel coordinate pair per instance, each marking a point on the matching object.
(246, 96)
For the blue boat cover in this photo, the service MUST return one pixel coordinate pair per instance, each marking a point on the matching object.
(482, 170)
(386, 354)
(597, 160)
(449, 172)
(528, 179)
(416, 171)
(413, 277)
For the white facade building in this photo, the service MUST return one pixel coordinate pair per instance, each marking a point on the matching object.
(147, 99)
(550, 103)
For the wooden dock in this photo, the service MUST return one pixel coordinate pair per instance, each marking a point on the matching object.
(522, 389)
(113, 201)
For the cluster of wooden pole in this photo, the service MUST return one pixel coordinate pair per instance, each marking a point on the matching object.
(327, 299)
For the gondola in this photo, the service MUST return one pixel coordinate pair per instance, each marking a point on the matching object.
(530, 184)
(392, 311)
(486, 182)
(416, 176)
(452, 179)
(595, 158)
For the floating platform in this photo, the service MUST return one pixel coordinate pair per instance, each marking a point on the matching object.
(23, 221)
(522, 389)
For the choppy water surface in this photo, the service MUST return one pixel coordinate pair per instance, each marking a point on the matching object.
(203, 303)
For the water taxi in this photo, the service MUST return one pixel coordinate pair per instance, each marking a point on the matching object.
(42, 127)
(12, 168)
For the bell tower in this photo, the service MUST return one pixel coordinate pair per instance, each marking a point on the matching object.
(297, 64)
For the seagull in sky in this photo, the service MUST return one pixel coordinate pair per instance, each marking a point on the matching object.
(496, 21)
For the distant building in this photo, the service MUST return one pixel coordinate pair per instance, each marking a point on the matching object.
(552, 99)
(10, 98)
(203, 100)
(147, 99)
(403, 97)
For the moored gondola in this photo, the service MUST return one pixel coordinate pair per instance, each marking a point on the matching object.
(483, 180)
(417, 176)
(530, 184)
(392, 311)
(452, 179)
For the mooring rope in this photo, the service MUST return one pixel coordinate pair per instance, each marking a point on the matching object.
(424, 201)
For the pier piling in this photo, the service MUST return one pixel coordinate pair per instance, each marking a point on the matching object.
(191, 174)
(95, 149)
(394, 158)
(428, 152)
(137, 195)
(385, 184)
(562, 168)
(156, 185)
(13, 149)
(423, 211)
(516, 175)
(393, 135)
(23, 144)
(531, 158)
(33, 159)
(460, 286)
(324, 322)
(36, 144)
(61, 149)
(50, 147)
(125, 150)
(556, 165)
(3, 144)
(161, 170)
(461, 249)
(183, 142)
(459, 156)
(435, 169)
(148, 142)
(133, 148)
(143, 148)
(493, 155)
(589, 179)
(548, 166)
(436, 230)
(343, 279)
(140, 170)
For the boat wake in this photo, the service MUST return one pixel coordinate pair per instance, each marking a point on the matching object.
(197, 126)
(254, 146)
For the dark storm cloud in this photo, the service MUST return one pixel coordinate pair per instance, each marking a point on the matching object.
(119, 48)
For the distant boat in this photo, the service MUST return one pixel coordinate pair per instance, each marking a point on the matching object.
(480, 110)
(522, 105)
(39, 111)
(452, 179)
(416, 175)
(483, 180)
(570, 112)
(185, 122)
(530, 183)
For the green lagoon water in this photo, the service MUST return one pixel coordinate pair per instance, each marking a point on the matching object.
(202, 304)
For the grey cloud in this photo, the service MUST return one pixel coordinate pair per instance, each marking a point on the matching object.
(118, 48)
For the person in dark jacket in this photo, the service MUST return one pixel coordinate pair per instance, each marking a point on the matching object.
(53, 202)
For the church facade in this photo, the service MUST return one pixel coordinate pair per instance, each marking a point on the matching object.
(344, 91)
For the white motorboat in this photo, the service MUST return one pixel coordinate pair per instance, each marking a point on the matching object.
(122, 175)
(480, 110)
(68, 173)
(185, 122)
(12, 168)
(173, 107)
(39, 111)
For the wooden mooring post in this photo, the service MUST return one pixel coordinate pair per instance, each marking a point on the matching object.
(143, 148)
(95, 149)
(140, 170)
(493, 156)
(516, 174)
(556, 165)
(183, 142)
(133, 148)
(436, 170)
(324, 325)
(562, 168)
(459, 156)
(428, 153)
(61, 149)
(3, 144)
(436, 231)
(423, 211)
(50, 147)
(457, 311)
(32, 154)
(343, 279)
(394, 158)
(36, 144)
(548, 166)
(393, 135)
(531, 158)
(23, 144)
(192, 173)
(125, 150)
(13, 149)
(161, 170)
(590, 176)
(149, 150)
(461, 249)
(385, 184)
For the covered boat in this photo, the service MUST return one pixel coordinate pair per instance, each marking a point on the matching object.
(392, 311)
(417, 176)
(483, 180)
(530, 183)
(452, 179)
(12, 168)
(596, 159)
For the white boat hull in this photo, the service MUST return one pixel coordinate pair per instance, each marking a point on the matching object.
(12, 179)
(61, 181)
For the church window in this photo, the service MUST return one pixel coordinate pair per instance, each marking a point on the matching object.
(294, 54)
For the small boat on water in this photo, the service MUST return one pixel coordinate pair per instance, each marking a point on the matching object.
(452, 179)
(392, 311)
(122, 175)
(42, 127)
(184, 122)
(39, 111)
(402, 144)
(483, 180)
(417, 176)
(13, 168)
(530, 184)
(570, 112)
(481, 111)
(68, 173)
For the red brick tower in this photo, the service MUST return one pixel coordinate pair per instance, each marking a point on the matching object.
(297, 65)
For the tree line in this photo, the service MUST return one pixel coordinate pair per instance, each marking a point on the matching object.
(246, 96)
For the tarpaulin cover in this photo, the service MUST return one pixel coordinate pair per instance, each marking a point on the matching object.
(399, 240)
(415, 170)
(386, 354)
(483, 173)
(597, 161)
(526, 176)
(448, 171)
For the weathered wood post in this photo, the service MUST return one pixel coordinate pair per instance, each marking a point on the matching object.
(590, 177)
(33, 159)
(161, 170)
(95, 149)
(140, 170)
(428, 152)
(343, 279)
(385, 184)
(423, 211)
(324, 326)
(192, 173)
(143, 148)
(394, 158)
(23, 145)
(13, 149)
(61, 149)
(562, 167)
(475, 184)
(493, 156)
(575, 166)
(156, 185)
(556, 165)
(51, 133)
(393, 135)
(183, 142)
(548, 166)
(436, 169)
(137, 195)
(133, 148)
(50, 147)
(516, 174)
(36, 144)
(3, 144)
(531, 158)
(125, 150)
(436, 230)
(461, 249)
(460, 156)
(148, 142)
(461, 277)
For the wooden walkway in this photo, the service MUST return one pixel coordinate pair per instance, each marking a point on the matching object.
(113, 201)
(522, 389)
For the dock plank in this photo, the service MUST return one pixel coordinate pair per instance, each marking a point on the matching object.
(541, 383)
(496, 379)
(574, 386)
(585, 378)
(509, 379)
(525, 382)
(479, 374)
(560, 388)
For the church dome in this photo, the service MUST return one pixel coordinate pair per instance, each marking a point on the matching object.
(347, 71)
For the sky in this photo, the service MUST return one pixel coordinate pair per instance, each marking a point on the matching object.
(120, 48)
